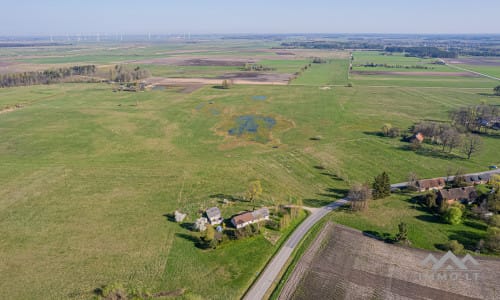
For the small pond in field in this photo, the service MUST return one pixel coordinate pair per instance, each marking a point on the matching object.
(259, 98)
(251, 124)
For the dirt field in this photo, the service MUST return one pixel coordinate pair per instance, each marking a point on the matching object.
(350, 265)
(237, 78)
(478, 61)
(197, 61)
(439, 74)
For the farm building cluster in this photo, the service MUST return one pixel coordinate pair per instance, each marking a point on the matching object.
(213, 216)
(466, 194)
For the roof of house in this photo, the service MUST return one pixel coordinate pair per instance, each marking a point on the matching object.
(431, 183)
(251, 216)
(213, 212)
(458, 193)
(418, 136)
(486, 177)
(243, 218)
(472, 178)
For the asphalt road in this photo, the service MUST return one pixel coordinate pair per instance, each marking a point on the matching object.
(273, 268)
(470, 71)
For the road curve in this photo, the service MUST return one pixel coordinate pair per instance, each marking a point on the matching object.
(271, 272)
(273, 268)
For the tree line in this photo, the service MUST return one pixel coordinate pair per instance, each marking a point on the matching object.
(477, 118)
(256, 67)
(374, 65)
(332, 45)
(44, 77)
(422, 52)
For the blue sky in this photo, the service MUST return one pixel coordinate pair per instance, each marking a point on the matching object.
(257, 16)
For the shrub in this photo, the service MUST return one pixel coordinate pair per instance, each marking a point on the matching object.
(454, 246)
(453, 215)
(494, 221)
(496, 90)
(273, 225)
(492, 239)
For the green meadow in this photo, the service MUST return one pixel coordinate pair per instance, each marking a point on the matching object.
(88, 175)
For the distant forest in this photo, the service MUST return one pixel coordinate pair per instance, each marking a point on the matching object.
(19, 45)
(44, 77)
(423, 52)
(435, 50)
(333, 45)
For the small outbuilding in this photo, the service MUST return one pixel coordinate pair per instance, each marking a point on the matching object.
(431, 184)
(417, 137)
(214, 215)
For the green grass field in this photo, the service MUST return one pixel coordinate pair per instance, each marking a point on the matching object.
(425, 230)
(332, 73)
(488, 70)
(397, 59)
(87, 175)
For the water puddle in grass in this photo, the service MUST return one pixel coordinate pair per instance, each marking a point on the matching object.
(253, 125)
(259, 98)
(159, 88)
(200, 106)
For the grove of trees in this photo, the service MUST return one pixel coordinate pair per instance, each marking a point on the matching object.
(44, 77)
(121, 73)
(423, 52)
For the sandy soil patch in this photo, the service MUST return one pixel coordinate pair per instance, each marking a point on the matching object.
(438, 74)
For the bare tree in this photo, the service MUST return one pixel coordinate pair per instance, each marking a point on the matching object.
(472, 144)
(412, 181)
(359, 195)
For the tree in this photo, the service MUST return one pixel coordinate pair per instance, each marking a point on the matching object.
(385, 129)
(254, 190)
(472, 144)
(430, 199)
(496, 90)
(209, 233)
(208, 238)
(494, 221)
(226, 84)
(495, 182)
(402, 235)
(450, 138)
(492, 239)
(381, 186)
(412, 181)
(415, 145)
(359, 196)
(494, 201)
(453, 215)
(394, 132)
